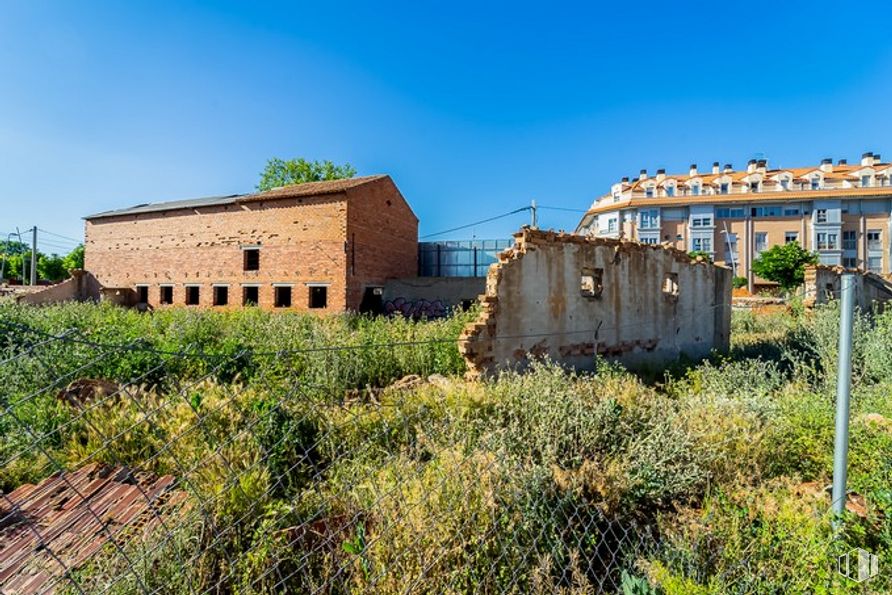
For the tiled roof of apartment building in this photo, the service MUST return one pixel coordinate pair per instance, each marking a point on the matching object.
(52, 526)
(297, 190)
(841, 179)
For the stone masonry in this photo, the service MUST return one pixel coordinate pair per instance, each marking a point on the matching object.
(571, 298)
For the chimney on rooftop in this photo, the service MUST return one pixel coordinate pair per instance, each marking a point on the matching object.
(876, 158)
(867, 158)
(750, 166)
(625, 180)
(728, 168)
(842, 162)
(661, 174)
(642, 175)
(827, 164)
(693, 170)
(715, 167)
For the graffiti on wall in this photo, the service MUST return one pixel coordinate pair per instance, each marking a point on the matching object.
(416, 309)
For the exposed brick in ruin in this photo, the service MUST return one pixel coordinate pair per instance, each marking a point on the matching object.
(570, 297)
(822, 283)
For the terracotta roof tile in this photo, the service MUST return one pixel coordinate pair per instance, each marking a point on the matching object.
(58, 509)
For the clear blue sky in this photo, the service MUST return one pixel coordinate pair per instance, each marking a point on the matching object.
(474, 108)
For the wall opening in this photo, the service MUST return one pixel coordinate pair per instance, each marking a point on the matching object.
(166, 295)
(592, 282)
(251, 258)
(250, 296)
(372, 301)
(670, 286)
(193, 293)
(283, 297)
(318, 297)
(142, 294)
(221, 295)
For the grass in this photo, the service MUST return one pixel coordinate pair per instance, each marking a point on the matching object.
(304, 473)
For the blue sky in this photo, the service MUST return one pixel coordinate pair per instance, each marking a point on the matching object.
(473, 109)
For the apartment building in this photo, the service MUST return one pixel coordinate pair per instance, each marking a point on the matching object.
(323, 246)
(841, 211)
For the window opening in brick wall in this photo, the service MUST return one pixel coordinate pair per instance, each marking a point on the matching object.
(193, 293)
(221, 295)
(250, 296)
(166, 294)
(252, 259)
(318, 297)
(283, 297)
(142, 294)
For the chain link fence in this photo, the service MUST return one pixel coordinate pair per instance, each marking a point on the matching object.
(126, 469)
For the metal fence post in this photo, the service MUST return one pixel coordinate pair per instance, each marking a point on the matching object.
(843, 386)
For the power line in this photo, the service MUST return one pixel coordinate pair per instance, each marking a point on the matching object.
(502, 216)
(563, 209)
(58, 235)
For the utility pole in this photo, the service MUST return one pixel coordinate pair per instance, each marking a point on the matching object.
(533, 221)
(843, 386)
(33, 255)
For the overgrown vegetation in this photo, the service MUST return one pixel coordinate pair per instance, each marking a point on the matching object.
(309, 476)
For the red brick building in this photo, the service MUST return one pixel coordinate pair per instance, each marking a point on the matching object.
(321, 245)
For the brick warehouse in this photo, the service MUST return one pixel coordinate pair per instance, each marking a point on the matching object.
(321, 245)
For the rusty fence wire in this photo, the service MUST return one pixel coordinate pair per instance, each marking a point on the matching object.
(125, 469)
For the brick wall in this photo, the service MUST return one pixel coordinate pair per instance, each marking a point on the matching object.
(303, 241)
(383, 238)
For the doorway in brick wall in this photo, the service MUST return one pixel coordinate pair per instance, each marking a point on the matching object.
(372, 301)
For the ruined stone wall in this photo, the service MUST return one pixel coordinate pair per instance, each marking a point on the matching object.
(570, 298)
(80, 287)
(822, 283)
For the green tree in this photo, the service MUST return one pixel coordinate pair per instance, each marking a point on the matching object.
(279, 172)
(11, 256)
(75, 259)
(51, 267)
(784, 264)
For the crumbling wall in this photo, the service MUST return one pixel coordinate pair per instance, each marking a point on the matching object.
(822, 283)
(80, 287)
(572, 298)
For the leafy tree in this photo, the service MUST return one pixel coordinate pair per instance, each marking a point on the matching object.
(16, 256)
(11, 257)
(51, 267)
(75, 259)
(784, 264)
(279, 172)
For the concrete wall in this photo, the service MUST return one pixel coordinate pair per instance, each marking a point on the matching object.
(571, 298)
(822, 283)
(81, 286)
(452, 291)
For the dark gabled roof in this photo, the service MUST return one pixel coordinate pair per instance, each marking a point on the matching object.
(297, 190)
(170, 205)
